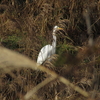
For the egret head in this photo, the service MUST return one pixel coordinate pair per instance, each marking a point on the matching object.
(56, 28)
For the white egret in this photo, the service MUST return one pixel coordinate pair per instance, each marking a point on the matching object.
(48, 50)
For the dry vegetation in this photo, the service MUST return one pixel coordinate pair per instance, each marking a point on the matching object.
(71, 74)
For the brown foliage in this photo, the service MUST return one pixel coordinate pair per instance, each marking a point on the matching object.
(26, 26)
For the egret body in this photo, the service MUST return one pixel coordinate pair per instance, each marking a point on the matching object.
(48, 50)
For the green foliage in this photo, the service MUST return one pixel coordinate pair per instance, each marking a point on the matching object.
(11, 42)
(65, 52)
(68, 48)
(86, 60)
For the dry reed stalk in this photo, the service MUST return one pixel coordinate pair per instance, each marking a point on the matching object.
(89, 28)
(11, 58)
(32, 92)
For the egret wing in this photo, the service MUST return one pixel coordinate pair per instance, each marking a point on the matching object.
(45, 52)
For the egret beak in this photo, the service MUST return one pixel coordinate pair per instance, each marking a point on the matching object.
(60, 28)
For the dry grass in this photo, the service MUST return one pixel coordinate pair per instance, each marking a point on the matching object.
(72, 74)
(18, 61)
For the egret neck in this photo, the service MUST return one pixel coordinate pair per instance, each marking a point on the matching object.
(54, 44)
